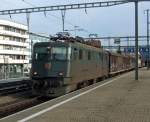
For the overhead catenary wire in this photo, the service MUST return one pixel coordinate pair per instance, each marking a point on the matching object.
(66, 21)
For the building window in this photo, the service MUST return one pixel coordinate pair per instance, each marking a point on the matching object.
(1, 47)
(6, 38)
(7, 28)
(7, 47)
(1, 27)
(12, 29)
(22, 32)
(1, 37)
(17, 31)
(1, 56)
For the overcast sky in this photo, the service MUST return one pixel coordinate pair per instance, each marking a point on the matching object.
(110, 21)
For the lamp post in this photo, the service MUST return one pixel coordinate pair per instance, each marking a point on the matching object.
(147, 13)
(136, 39)
(136, 35)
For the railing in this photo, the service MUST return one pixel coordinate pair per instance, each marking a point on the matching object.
(4, 76)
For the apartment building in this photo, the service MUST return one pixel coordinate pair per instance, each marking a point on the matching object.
(14, 49)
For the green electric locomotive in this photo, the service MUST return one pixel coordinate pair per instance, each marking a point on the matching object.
(61, 67)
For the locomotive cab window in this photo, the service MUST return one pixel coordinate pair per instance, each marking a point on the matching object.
(59, 53)
(55, 53)
(41, 53)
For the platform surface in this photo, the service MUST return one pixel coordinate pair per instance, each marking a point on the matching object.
(120, 99)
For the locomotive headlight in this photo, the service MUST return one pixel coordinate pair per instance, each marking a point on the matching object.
(61, 74)
(35, 73)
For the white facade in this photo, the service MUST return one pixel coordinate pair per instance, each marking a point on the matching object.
(13, 43)
(14, 49)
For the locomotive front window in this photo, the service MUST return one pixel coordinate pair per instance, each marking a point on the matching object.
(59, 53)
(41, 54)
(54, 53)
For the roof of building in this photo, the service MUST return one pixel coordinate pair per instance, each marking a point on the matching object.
(13, 24)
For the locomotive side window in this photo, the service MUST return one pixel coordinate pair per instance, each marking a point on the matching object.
(75, 53)
(100, 57)
(89, 55)
(94, 55)
(80, 54)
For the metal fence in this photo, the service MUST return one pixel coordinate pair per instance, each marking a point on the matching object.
(12, 71)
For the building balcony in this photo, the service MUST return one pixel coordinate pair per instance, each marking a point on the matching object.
(9, 33)
(13, 61)
(14, 43)
(14, 52)
(13, 24)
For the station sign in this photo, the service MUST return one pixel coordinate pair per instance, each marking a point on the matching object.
(143, 50)
(132, 50)
(117, 40)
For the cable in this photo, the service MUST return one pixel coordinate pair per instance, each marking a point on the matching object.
(52, 15)
(28, 3)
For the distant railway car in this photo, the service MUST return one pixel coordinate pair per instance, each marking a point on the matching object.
(120, 63)
(61, 67)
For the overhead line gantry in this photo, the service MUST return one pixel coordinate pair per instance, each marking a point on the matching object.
(62, 7)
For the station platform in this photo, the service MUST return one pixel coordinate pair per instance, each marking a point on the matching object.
(119, 99)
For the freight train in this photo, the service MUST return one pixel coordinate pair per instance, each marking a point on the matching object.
(68, 64)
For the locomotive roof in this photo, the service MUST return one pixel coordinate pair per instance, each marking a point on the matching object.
(77, 44)
(50, 43)
(59, 43)
(118, 54)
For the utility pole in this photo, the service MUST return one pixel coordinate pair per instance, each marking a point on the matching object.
(109, 43)
(63, 13)
(75, 30)
(136, 39)
(147, 13)
(127, 45)
(28, 25)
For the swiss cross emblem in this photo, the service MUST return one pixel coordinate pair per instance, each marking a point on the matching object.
(47, 65)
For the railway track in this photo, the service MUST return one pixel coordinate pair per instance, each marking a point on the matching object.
(9, 88)
(16, 96)
(18, 105)
(21, 104)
